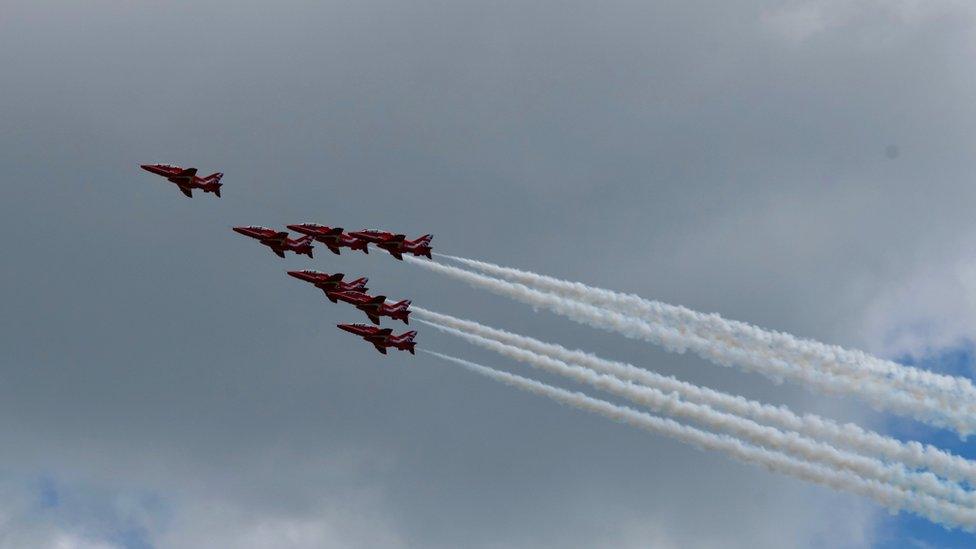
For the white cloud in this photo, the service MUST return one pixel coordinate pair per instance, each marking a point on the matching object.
(352, 523)
(23, 524)
(70, 541)
(96, 517)
(930, 308)
(21, 536)
(878, 20)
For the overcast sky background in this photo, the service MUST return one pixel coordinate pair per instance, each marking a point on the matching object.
(806, 166)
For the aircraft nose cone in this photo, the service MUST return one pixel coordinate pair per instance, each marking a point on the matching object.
(239, 230)
(296, 228)
(297, 274)
(345, 328)
(146, 167)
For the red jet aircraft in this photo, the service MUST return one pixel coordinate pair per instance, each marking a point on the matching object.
(278, 241)
(375, 307)
(332, 237)
(330, 283)
(382, 338)
(186, 178)
(396, 244)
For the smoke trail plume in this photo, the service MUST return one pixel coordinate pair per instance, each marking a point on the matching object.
(894, 498)
(880, 395)
(748, 430)
(849, 435)
(953, 391)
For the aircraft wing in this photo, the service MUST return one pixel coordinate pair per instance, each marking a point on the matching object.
(331, 297)
(278, 252)
(281, 235)
(333, 248)
(189, 172)
(372, 317)
(186, 190)
(380, 348)
(395, 253)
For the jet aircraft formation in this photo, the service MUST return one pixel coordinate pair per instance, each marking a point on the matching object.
(353, 292)
(900, 475)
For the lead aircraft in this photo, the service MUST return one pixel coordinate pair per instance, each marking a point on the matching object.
(186, 178)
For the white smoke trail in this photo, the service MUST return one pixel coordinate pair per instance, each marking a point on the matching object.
(879, 395)
(894, 498)
(953, 390)
(848, 435)
(748, 430)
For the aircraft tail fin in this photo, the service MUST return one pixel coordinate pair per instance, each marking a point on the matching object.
(399, 311)
(214, 177)
(305, 246)
(424, 239)
(408, 341)
(217, 191)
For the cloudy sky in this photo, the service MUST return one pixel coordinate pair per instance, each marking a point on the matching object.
(803, 165)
